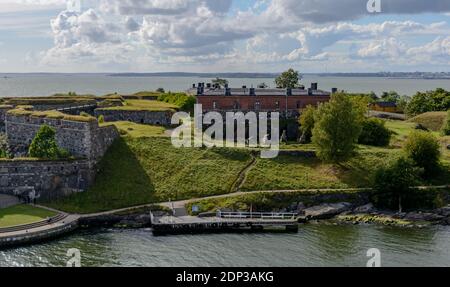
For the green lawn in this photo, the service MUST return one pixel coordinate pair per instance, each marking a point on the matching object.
(138, 130)
(144, 105)
(23, 214)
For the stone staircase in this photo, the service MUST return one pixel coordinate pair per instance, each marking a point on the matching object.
(58, 218)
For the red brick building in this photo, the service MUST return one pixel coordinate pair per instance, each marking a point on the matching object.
(245, 99)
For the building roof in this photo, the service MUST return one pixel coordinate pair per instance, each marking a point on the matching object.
(258, 92)
(386, 104)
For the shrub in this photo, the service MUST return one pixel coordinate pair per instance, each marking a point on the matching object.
(44, 145)
(424, 149)
(338, 125)
(160, 90)
(182, 100)
(307, 123)
(374, 133)
(101, 119)
(84, 114)
(446, 126)
(392, 183)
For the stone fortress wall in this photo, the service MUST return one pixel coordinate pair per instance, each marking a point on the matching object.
(80, 139)
(45, 179)
(86, 141)
(160, 118)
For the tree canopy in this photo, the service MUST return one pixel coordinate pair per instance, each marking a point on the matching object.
(288, 79)
(338, 125)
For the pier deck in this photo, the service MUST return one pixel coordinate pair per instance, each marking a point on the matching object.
(225, 222)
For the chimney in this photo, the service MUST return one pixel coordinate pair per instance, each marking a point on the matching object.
(310, 92)
(334, 90)
(193, 86)
(289, 92)
(227, 92)
(314, 86)
(252, 92)
(199, 90)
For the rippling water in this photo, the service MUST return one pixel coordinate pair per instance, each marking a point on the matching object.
(313, 245)
(20, 85)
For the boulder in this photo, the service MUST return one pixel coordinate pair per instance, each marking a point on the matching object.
(444, 211)
(421, 127)
(368, 208)
(327, 210)
(419, 216)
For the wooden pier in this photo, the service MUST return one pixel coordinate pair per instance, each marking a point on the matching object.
(226, 222)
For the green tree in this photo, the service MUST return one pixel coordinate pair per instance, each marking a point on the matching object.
(393, 183)
(306, 122)
(220, 82)
(338, 125)
(374, 133)
(424, 149)
(446, 126)
(431, 101)
(160, 90)
(44, 144)
(391, 96)
(288, 79)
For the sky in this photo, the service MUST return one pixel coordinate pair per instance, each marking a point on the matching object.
(312, 36)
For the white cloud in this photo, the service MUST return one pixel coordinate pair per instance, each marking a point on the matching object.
(271, 32)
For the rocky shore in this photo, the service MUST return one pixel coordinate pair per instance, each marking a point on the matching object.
(346, 213)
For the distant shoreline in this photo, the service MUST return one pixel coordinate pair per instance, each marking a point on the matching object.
(387, 75)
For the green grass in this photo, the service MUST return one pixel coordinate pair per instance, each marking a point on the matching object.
(145, 170)
(137, 130)
(292, 173)
(432, 120)
(144, 105)
(23, 214)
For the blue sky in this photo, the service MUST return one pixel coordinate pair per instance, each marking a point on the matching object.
(224, 35)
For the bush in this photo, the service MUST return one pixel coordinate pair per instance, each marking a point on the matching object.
(338, 125)
(101, 119)
(44, 145)
(374, 133)
(84, 114)
(182, 100)
(160, 90)
(424, 149)
(307, 123)
(392, 183)
(446, 126)
(431, 101)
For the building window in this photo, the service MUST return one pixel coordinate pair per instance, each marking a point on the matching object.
(299, 105)
(277, 105)
(215, 106)
(257, 105)
(236, 106)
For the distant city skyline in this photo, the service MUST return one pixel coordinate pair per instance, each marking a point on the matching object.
(268, 36)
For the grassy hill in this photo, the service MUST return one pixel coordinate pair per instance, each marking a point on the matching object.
(143, 167)
(432, 120)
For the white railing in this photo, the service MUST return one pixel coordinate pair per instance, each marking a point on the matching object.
(256, 215)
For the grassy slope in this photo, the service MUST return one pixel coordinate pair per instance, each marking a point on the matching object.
(149, 169)
(433, 120)
(137, 130)
(144, 167)
(22, 214)
(144, 105)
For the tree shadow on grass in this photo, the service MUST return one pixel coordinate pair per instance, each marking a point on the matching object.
(121, 181)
